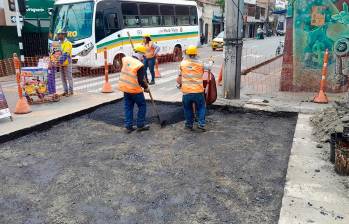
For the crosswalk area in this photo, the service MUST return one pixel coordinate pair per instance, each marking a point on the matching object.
(94, 84)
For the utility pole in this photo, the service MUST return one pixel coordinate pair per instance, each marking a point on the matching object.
(19, 32)
(233, 28)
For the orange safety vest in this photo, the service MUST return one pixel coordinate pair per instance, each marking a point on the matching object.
(128, 81)
(192, 72)
(150, 53)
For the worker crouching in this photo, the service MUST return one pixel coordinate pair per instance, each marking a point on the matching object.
(191, 82)
(132, 83)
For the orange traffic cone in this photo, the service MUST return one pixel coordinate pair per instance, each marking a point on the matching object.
(220, 76)
(321, 97)
(106, 88)
(157, 73)
(22, 106)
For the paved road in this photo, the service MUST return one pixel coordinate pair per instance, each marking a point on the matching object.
(254, 51)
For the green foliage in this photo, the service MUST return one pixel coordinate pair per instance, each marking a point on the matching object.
(221, 4)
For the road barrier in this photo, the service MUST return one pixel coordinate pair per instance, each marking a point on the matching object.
(321, 97)
(22, 106)
(106, 86)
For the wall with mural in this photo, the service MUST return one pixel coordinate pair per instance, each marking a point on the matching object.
(319, 25)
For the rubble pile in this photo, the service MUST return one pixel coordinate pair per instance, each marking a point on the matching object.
(329, 121)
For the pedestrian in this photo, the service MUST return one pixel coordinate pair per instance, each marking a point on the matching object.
(150, 56)
(260, 33)
(202, 39)
(190, 80)
(132, 83)
(65, 62)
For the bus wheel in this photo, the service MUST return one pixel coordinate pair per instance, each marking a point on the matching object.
(117, 62)
(177, 53)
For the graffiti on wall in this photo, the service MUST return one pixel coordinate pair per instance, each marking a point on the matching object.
(320, 25)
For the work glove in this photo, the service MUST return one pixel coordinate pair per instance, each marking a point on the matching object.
(147, 90)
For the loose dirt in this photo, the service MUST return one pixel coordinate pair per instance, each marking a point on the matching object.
(88, 171)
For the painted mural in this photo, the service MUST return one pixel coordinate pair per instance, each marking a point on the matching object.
(319, 25)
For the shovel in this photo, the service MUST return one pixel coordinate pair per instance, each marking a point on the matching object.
(161, 122)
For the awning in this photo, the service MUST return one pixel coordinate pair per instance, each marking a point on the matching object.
(217, 19)
(280, 12)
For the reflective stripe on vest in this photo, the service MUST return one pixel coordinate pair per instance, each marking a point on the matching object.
(128, 81)
(150, 52)
(192, 72)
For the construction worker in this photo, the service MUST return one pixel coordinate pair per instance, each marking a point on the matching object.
(132, 83)
(191, 81)
(65, 62)
(150, 57)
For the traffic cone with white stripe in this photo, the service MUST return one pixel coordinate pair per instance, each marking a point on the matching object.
(220, 76)
(157, 73)
(321, 97)
(22, 106)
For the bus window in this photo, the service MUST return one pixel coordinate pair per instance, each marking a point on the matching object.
(149, 15)
(99, 26)
(111, 23)
(167, 12)
(130, 14)
(182, 15)
(193, 16)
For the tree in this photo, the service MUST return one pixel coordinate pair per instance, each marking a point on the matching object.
(221, 4)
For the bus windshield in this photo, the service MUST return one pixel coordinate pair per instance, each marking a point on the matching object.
(75, 18)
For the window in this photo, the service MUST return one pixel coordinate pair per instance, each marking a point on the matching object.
(182, 10)
(111, 23)
(182, 15)
(129, 9)
(193, 16)
(75, 18)
(151, 20)
(167, 10)
(148, 9)
(149, 15)
(130, 14)
(258, 13)
(99, 26)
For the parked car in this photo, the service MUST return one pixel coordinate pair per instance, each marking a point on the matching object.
(217, 42)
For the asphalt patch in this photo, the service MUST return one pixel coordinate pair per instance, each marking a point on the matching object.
(88, 170)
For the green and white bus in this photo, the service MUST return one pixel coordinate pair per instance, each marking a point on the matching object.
(95, 25)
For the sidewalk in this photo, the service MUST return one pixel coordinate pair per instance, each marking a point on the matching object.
(51, 112)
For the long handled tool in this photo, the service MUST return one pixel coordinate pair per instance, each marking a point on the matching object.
(161, 122)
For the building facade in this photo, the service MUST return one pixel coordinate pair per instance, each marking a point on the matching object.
(34, 28)
(211, 19)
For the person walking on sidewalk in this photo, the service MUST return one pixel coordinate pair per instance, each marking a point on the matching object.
(132, 83)
(191, 81)
(150, 56)
(65, 63)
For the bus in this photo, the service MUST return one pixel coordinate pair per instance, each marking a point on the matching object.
(95, 25)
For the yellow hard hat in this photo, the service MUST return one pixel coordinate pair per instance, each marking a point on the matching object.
(140, 48)
(191, 50)
(146, 35)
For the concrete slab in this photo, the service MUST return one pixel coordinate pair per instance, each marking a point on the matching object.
(313, 192)
(51, 111)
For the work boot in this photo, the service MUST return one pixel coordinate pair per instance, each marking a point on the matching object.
(129, 130)
(189, 128)
(71, 93)
(65, 94)
(152, 82)
(144, 128)
(201, 128)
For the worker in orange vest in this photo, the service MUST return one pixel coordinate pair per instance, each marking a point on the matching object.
(150, 56)
(132, 83)
(191, 81)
